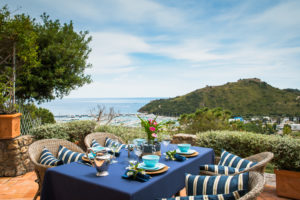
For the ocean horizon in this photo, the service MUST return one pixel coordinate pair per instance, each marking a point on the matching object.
(84, 106)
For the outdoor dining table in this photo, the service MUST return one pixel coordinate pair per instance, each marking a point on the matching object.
(78, 181)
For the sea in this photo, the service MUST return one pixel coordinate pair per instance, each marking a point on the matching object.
(126, 109)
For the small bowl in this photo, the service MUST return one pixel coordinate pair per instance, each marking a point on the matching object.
(184, 147)
(150, 160)
(139, 141)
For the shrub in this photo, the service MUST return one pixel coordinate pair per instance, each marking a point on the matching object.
(49, 131)
(74, 131)
(286, 149)
(128, 133)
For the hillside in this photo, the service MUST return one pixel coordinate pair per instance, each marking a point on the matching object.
(246, 97)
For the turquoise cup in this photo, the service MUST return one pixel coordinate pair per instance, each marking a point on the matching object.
(139, 141)
(95, 150)
(184, 147)
(150, 160)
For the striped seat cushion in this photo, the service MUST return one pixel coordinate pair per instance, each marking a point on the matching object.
(68, 156)
(47, 158)
(231, 160)
(220, 169)
(109, 143)
(230, 196)
(95, 143)
(220, 184)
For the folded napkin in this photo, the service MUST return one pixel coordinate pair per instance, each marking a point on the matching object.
(129, 174)
(179, 157)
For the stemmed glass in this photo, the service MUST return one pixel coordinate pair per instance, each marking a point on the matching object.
(114, 148)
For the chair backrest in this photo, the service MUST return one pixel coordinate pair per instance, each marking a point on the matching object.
(256, 186)
(35, 149)
(262, 160)
(100, 138)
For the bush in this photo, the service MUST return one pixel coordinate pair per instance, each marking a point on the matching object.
(74, 131)
(286, 149)
(48, 131)
(38, 113)
(129, 133)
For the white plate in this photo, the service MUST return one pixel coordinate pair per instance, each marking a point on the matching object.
(157, 167)
(191, 151)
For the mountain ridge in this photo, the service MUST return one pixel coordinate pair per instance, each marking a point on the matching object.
(246, 97)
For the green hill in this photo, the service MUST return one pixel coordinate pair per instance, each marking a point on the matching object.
(246, 97)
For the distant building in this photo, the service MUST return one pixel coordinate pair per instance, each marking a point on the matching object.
(236, 119)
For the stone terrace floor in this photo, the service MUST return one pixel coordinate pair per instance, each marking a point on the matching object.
(24, 187)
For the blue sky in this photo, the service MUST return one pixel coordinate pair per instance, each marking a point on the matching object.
(166, 48)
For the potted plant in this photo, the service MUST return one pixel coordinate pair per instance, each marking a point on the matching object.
(9, 118)
(288, 174)
(152, 129)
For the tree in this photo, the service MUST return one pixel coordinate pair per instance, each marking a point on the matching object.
(50, 57)
(287, 129)
(18, 54)
(205, 119)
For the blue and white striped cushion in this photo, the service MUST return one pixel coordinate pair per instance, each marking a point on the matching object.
(207, 185)
(95, 143)
(47, 158)
(109, 142)
(68, 156)
(231, 160)
(220, 169)
(230, 196)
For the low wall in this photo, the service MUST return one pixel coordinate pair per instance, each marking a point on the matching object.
(184, 138)
(14, 158)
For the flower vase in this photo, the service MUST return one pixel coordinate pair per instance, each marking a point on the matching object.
(151, 147)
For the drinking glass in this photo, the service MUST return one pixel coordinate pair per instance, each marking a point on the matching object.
(166, 141)
(131, 146)
(114, 148)
(138, 152)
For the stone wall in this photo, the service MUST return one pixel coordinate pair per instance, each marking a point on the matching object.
(14, 158)
(184, 138)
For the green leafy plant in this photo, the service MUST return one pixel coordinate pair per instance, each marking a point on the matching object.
(151, 127)
(170, 155)
(133, 170)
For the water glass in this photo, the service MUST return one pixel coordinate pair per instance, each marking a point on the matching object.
(166, 141)
(138, 152)
(114, 148)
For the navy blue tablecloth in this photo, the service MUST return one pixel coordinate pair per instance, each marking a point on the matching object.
(77, 181)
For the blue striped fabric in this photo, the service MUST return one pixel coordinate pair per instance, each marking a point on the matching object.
(230, 196)
(68, 156)
(95, 143)
(231, 160)
(47, 158)
(109, 143)
(220, 169)
(212, 185)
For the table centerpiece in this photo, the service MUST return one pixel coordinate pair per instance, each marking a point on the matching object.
(152, 128)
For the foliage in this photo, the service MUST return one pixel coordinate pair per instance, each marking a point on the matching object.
(253, 126)
(18, 55)
(170, 155)
(50, 57)
(151, 128)
(38, 113)
(133, 170)
(72, 131)
(48, 131)
(127, 133)
(248, 97)
(287, 129)
(295, 134)
(205, 119)
(286, 150)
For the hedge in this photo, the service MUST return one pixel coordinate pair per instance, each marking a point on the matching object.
(286, 149)
(74, 131)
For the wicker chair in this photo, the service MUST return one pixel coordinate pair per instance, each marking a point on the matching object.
(100, 138)
(262, 160)
(256, 186)
(35, 150)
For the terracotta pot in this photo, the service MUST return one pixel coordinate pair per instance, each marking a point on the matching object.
(10, 126)
(288, 183)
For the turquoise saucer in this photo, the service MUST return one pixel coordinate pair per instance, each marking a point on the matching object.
(158, 166)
